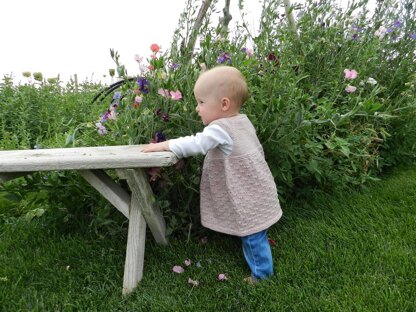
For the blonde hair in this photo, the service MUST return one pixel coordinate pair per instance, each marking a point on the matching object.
(228, 81)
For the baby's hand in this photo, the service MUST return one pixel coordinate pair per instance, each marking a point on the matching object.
(156, 147)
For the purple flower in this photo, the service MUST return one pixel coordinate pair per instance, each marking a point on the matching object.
(174, 66)
(389, 30)
(397, 24)
(223, 58)
(355, 37)
(143, 84)
(413, 36)
(101, 129)
(117, 95)
(159, 137)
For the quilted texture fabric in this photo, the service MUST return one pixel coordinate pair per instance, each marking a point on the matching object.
(238, 192)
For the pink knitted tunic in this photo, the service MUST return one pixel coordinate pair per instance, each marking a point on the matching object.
(238, 193)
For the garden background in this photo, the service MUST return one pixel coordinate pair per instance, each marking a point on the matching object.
(332, 99)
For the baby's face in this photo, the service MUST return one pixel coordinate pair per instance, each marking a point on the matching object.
(208, 102)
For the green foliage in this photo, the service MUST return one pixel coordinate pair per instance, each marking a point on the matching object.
(320, 128)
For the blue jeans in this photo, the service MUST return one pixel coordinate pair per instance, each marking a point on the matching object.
(258, 254)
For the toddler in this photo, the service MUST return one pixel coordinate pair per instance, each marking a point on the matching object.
(237, 191)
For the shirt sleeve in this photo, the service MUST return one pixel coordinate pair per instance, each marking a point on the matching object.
(211, 137)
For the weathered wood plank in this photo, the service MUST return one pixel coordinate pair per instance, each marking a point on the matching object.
(109, 189)
(11, 175)
(78, 158)
(142, 192)
(136, 238)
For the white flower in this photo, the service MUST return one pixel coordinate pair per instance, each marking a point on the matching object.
(381, 32)
(371, 81)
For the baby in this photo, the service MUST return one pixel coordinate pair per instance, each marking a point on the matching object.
(238, 193)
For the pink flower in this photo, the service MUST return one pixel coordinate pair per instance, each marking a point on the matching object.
(178, 269)
(155, 48)
(350, 89)
(176, 95)
(350, 74)
(163, 92)
(138, 58)
(138, 99)
(222, 277)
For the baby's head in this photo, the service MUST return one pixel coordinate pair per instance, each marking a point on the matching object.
(220, 92)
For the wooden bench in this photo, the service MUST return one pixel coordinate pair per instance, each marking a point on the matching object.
(140, 208)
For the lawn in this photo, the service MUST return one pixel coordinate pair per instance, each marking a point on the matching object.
(354, 251)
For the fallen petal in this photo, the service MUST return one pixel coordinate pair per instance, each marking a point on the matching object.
(192, 282)
(222, 277)
(188, 262)
(178, 269)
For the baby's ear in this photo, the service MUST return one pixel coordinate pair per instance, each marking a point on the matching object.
(225, 104)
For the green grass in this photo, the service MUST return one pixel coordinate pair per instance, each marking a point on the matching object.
(354, 251)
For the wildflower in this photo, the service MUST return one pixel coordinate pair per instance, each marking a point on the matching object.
(174, 66)
(155, 48)
(412, 36)
(188, 262)
(273, 58)
(176, 95)
(159, 137)
(222, 277)
(381, 32)
(138, 58)
(371, 81)
(150, 67)
(153, 57)
(249, 52)
(350, 74)
(117, 95)
(138, 99)
(143, 84)
(355, 37)
(224, 58)
(350, 89)
(100, 128)
(163, 92)
(397, 24)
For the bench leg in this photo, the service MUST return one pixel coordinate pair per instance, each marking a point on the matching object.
(133, 268)
(141, 190)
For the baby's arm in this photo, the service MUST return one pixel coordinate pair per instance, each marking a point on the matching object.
(157, 147)
(200, 143)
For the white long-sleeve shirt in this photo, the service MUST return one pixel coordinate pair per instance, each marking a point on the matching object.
(211, 137)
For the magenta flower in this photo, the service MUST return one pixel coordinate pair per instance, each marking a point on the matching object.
(350, 89)
(176, 95)
(350, 74)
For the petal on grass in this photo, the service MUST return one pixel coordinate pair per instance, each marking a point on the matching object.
(193, 282)
(188, 262)
(178, 269)
(222, 277)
